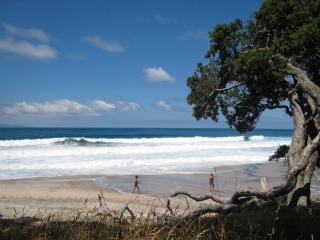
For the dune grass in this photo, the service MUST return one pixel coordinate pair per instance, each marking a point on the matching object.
(270, 223)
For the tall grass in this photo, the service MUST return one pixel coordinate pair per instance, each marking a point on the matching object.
(269, 223)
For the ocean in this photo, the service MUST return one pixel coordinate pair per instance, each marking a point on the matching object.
(47, 152)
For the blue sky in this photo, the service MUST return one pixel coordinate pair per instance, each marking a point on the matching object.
(113, 63)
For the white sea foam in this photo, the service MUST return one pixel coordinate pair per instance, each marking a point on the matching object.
(257, 138)
(71, 156)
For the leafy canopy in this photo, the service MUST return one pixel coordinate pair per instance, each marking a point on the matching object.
(244, 75)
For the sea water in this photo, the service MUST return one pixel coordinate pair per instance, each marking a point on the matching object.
(42, 152)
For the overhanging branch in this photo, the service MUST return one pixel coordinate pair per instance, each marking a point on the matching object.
(303, 81)
(287, 109)
(225, 89)
(219, 90)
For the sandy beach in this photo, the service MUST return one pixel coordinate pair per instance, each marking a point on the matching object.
(77, 196)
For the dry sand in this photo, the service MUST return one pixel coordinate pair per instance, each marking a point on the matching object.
(77, 196)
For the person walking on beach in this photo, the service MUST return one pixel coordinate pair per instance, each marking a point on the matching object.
(211, 182)
(136, 184)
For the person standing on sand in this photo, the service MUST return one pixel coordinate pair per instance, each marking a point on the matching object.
(136, 184)
(211, 182)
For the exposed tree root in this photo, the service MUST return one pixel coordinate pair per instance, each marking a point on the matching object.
(103, 205)
(126, 208)
(224, 205)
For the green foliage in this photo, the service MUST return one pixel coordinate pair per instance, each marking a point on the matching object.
(281, 152)
(248, 57)
(295, 25)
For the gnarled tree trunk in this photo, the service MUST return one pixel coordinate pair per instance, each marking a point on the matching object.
(303, 155)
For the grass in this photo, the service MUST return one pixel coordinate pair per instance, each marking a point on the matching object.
(270, 223)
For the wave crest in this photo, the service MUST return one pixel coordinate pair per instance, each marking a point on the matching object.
(80, 142)
(257, 138)
(119, 141)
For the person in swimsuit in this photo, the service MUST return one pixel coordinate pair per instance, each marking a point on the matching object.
(136, 184)
(211, 182)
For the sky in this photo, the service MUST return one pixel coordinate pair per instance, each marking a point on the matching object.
(109, 63)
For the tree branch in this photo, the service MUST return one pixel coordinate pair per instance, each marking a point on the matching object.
(126, 208)
(218, 90)
(226, 89)
(315, 114)
(103, 205)
(287, 109)
(241, 200)
(305, 156)
(306, 84)
(201, 198)
(168, 206)
(303, 81)
(299, 134)
(229, 208)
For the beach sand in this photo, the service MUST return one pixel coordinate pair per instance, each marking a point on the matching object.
(72, 197)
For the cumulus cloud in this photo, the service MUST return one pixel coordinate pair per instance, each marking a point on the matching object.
(105, 45)
(26, 49)
(129, 106)
(164, 105)
(100, 105)
(31, 33)
(157, 75)
(60, 106)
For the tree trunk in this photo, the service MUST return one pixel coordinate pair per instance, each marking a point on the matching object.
(300, 194)
(303, 154)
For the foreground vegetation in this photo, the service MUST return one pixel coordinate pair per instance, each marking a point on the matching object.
(269, 223)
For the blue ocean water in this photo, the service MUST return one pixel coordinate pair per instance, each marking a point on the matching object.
(35, 152)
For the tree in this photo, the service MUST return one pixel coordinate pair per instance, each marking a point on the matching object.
(281, 152)
(271, 62)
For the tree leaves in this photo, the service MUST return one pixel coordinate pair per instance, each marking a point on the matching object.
(249, 55)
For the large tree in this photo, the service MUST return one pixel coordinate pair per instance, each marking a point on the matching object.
(272, 61)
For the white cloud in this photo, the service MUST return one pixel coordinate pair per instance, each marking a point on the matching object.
(31, 33)
(60, 106)
(19, 43)
(164, 105)
(102, 105)
(129, 106)
(201, 35)
(108, 46)
(161, 19)
(157, 75)
(26, 49)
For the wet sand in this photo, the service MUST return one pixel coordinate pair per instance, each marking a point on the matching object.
(228, 179)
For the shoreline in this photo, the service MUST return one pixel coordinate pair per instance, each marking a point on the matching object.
(228, 179)
(68, 195)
